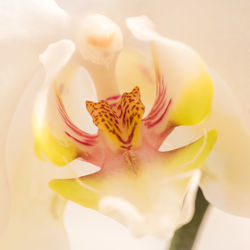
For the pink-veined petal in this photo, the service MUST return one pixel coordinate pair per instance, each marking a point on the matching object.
(56, 137)
(184, 87)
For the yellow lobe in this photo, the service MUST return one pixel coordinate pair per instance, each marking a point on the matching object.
(195, 101)
(190, 157)
(49, 147)
(83, 191)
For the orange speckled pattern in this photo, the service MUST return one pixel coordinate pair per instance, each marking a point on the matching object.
(120, 122)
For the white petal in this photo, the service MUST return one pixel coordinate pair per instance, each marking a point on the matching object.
(24, 33)
(226, 177)
(84, 226)
(26, 30)
(235, 231)
(36, 212)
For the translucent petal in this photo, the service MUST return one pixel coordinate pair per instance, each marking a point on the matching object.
(22, 40)
(36, 212)
(226, 177)
(24, 34)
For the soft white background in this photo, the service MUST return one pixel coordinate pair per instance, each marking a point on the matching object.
(90, 231)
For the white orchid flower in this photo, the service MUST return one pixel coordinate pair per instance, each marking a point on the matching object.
(153, 111)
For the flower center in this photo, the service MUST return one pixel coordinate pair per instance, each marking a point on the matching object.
(119, 122)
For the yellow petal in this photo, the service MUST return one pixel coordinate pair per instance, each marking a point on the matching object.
(84, 191)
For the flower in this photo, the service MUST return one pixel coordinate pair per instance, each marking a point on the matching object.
(61, 64)
(147, 190)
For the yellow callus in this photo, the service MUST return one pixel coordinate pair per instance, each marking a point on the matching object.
(121, 124)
